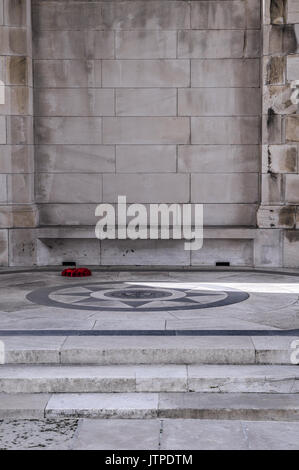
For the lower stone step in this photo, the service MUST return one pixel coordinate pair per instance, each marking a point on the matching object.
(148, 378)
(109, 350)
(240, 406)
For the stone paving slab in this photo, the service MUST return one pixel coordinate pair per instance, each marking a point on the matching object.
(23, 405)
(155, 434)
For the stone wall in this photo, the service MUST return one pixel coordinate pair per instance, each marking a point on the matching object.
(278, 214)
(159, 100)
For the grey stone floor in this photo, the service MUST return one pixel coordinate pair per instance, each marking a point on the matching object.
(93, 434)
(175, 304)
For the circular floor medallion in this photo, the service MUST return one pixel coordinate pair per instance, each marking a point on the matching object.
(134, 296)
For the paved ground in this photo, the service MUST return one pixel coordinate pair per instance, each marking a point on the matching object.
(204, 300)
(92, 434)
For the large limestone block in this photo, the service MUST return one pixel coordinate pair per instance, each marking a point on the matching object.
(18, 101)
(74, 102)
(1, 12)
(70, 130)
(227, 188)
(145, 44)
(67, 214)
(67, 73)
(146, 73)
(143, 188)
(145, 158)
(271, 128)
(236, 252)
(268, 248)
(229, 214)
(146, 130)
(291, 248)
(13, 41)
(277, 216)
(68, 188)
(225, 73)
(147, 14)
(144, 253)
(75, 158)
(271, 187)
(146, 102)
(55, 251)
(292, 188)
(215, 102)
(218, 158)
(274, 68)
(15, 12)
(292, 128)
(22, 247)
(278, 99)
(16, 159)
(3, 188)
(225, 130)
(19, 130)
(20, 188)
(218, 15)
(18, 71)
(125, 15)
(279, 158)
(292, 67)
(2, 130)
(3, 248)
(74, 45)
(293, 11)
(217, 44)
(67, 16)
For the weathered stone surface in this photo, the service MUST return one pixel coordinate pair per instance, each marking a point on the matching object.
(277, 217)
(225, 73)
(230, 214)
(279, 159)
(278, 99)
(67, 214)
(218, 158)
(74, 45)
(236, 252)
(3, 247)
(146, 188)
(18, 71)
(145, 45)
(67, 73)
(54, 251)
(292, 188)
(13, 41)
(2, 130)
(278, 10)
(146, 73)
(293, 11)
(271, 128)
(1, 12)
(146, 130)
(16, 159)
(213, 102)
(145, 158)
(291, 248)
(274, 70)
(74, 102)
(20, 188)
(19, 130)
(146, 102)
(268, 249)
(55, 188)
(70, 130)
(217, 15)
(227, 188)
(15, 12)
(230, 130)
(211, 44)
(292, 128)
(18, 101)
(292, 67)
(75, 158)
(139, 15)
(272, 188)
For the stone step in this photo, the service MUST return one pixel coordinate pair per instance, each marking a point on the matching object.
(149, 378)
(180, 405)
(109, 349)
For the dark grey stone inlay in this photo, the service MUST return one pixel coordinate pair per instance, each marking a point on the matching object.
(122, 296)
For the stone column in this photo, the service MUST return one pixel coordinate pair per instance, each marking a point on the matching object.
(280, 135)
(17, 208)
